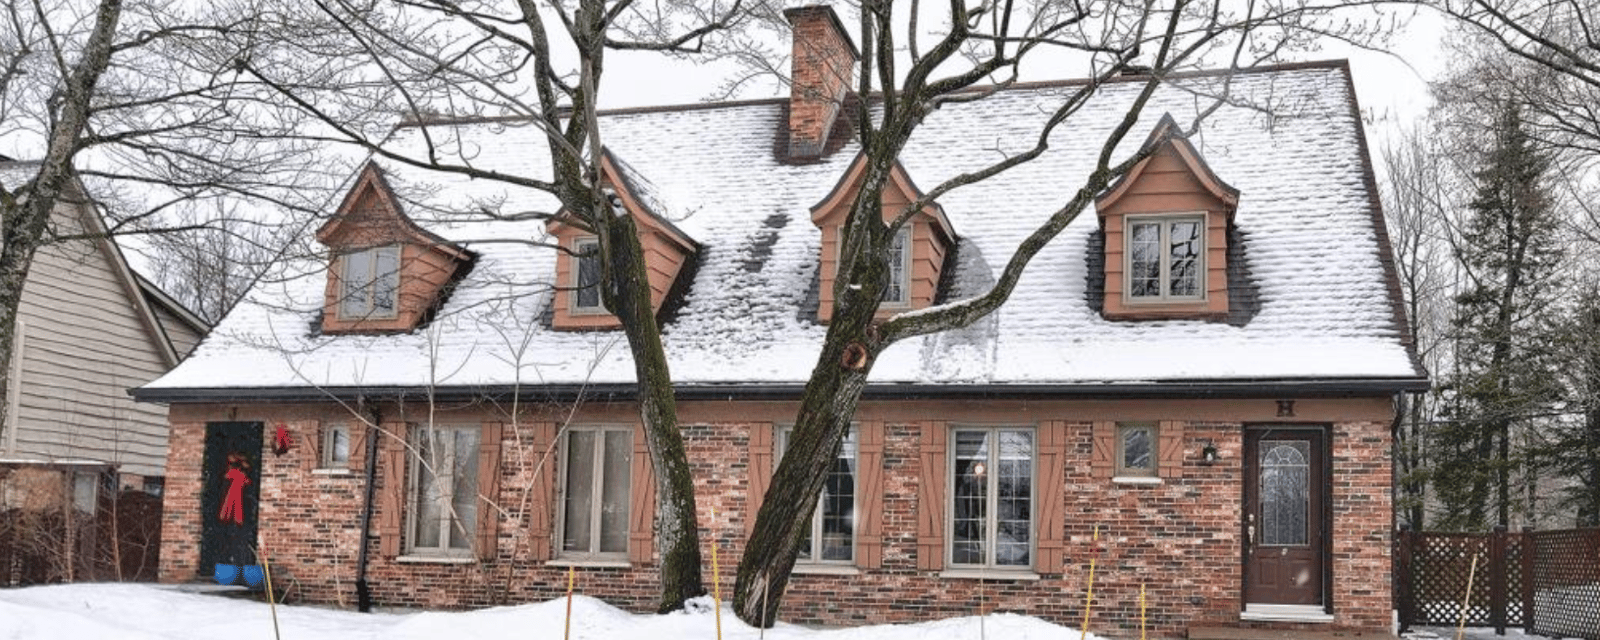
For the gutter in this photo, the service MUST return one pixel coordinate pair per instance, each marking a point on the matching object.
(628, 392)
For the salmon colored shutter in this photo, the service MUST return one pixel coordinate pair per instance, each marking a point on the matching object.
(930, 498)
(1102, 461)
(642, 530)
(760, 455)
(542, 498)
(1171, 465)
(392, 459)
(869, 461)
(1052, 496)
(358, 446)
(488, 525)
(310, 443)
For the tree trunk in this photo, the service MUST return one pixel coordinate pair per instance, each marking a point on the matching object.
(829, 403)
(627, 294)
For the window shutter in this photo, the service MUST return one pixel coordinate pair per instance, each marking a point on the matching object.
(358, 445)
(1171, 465)
(761, 452)
(392, 459)
(930, 498)
(1052, 496)
(869, 465)
(542, 499)
(488, 525)
(642, 531)
(1103, 460)
(310, 443)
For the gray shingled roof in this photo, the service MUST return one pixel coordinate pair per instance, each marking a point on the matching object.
(1306, 218)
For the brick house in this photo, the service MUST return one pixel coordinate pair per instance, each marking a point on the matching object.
(1204, 370)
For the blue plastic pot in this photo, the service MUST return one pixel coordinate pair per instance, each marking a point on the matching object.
(226, 573)
(253, 576)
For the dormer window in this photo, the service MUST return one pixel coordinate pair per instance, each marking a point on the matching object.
(385, 273)
(915, 256)
(586, 283)
(668, 251)
(898, 291)
(1166, 226)
(371, 280)
(1166, 258)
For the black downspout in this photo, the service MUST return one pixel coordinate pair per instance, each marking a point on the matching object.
(363, 591)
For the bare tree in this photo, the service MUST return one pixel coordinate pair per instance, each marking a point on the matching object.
(1418, 192)
(908, 78)
(122, 104)
(358, 66)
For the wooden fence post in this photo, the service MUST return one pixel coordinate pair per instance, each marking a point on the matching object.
(1497, 580)
(1402, 575)
(1525, 576)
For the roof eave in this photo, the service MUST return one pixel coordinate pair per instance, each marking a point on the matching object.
(628, 392)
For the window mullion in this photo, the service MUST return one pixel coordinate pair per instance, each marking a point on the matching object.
(597, 490)
(992, 497)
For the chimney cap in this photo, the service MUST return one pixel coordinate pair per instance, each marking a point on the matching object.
(795, 14)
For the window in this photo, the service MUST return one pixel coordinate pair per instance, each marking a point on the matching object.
(992, 496)
(335, 447)
(1136, 453)
(1165, 258)
(834, 522)
(371, 283)
(898, 291)
(445, 490)
(595, 488)
(586, 283)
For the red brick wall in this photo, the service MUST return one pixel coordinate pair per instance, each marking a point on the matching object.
(1180, 538)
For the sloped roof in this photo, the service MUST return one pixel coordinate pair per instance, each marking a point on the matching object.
(1307, 215)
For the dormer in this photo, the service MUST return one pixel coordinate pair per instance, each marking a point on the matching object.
(667, 250)
(1166, 234)
(918, 253)
(385, 273)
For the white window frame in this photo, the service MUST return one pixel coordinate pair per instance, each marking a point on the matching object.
(331, 434)
(814, 557)
(360, 284)
(903, 236)
(443, 466)
(591, 552)
(1164, 220)
(581, 245)
(1120, 450)
(991, 498)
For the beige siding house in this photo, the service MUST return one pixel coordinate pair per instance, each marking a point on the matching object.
(89, 329)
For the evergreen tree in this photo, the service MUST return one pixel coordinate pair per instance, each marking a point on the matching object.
(1574, 451)
(1509, 250)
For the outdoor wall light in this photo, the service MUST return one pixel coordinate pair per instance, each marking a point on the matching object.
(1208, 454)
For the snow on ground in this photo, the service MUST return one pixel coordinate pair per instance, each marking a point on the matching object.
(153, 612)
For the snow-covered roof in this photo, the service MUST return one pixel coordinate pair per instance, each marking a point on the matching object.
(1306, 216)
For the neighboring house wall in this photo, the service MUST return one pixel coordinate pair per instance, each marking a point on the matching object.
(1179, 537)
(85, 338)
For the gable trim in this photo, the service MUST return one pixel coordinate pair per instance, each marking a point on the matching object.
(897, 177)
(1167, 131)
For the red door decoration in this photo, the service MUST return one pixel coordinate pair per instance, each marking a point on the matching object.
(280, 440)
(233, 505)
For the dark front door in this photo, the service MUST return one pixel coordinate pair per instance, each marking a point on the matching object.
(230, 493)
(1283, 507)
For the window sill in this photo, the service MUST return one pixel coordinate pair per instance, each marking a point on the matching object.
(989, 574)
(589, 564)
(826, 569)
(1285, 613)
(426, 559)
(332, 471)
(1136, 480)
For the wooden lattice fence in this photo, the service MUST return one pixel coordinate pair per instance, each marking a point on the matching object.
(1566, 583)
(1547, 582)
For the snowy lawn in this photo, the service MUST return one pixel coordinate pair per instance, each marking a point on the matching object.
(151, 612)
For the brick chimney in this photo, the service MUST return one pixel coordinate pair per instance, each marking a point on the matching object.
(824, 59)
